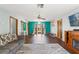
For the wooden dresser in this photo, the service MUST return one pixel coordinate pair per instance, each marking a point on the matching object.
(69, 36)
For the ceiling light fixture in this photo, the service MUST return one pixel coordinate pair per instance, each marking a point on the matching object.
(40, 5)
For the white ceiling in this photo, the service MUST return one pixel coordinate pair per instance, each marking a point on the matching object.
(31, 11)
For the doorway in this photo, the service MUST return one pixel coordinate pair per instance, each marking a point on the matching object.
(39, 34)
(22, 30)
(59, 29)
(13, 25)
(39, 29)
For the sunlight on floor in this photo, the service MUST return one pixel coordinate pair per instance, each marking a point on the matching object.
(40, 39)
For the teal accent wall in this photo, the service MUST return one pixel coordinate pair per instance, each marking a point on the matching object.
(24, 26)
(47, 26)
(31, 26)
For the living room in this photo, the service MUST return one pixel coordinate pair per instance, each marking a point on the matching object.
(20, 25)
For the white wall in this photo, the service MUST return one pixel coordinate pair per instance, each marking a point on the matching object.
(66, 23)
(4, 21)
(54, 27)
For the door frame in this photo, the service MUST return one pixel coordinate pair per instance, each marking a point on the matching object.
(42, 29)
(11, 17)
(59, 29)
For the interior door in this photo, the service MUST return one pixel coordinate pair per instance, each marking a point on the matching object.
(59, 28)
(23, 28)
(22, 31)
(13, 25)
(39, 29)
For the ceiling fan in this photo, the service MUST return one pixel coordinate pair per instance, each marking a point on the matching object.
(40, 6)
(39, 17)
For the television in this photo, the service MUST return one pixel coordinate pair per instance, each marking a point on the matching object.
(74, 20)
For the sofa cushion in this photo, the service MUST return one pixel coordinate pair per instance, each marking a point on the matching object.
(9, 37)
(14, 36)
(2, 42)
(5, 37)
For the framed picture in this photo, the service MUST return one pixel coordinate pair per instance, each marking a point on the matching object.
(74, 19)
